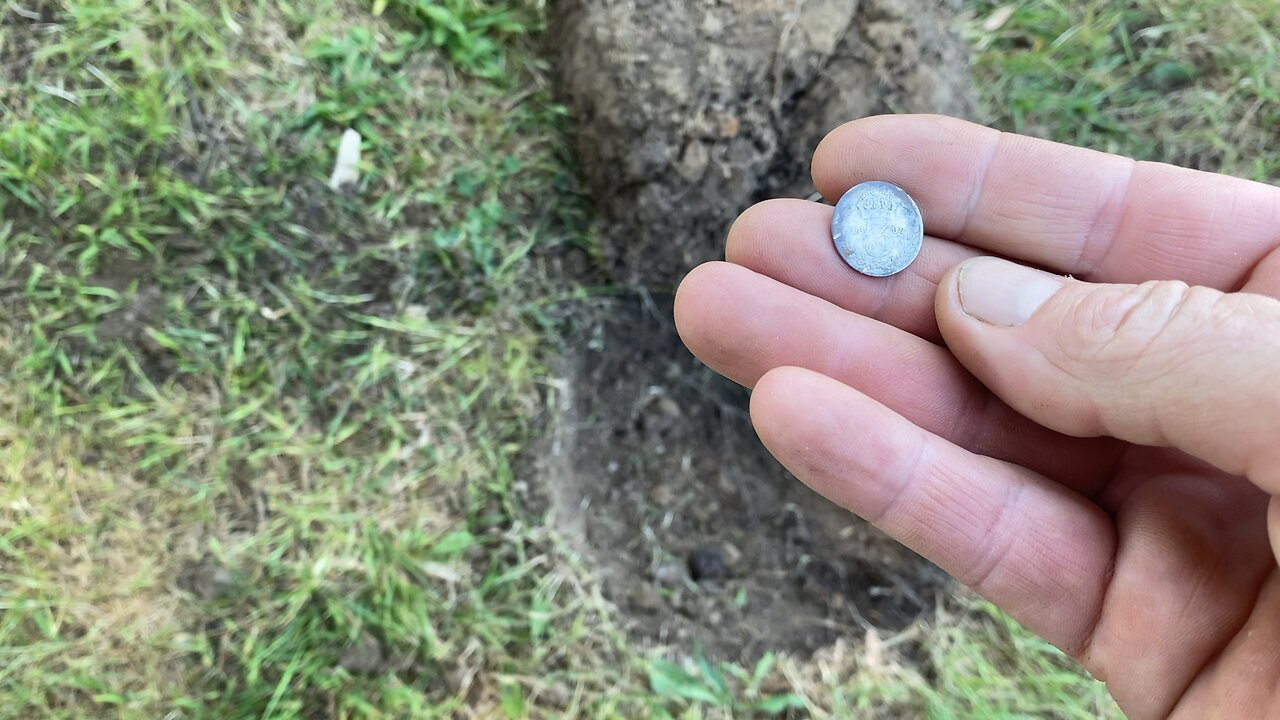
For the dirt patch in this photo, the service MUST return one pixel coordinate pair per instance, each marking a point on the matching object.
(686, 112)
(697, 534)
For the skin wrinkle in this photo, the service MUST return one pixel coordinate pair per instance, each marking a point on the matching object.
(1168, 259)
(1117, 447)
(1197, 303)
(1273, 214)
(996, 554)
(1083, 265)
(1145, 305)
(911, 469)
(1033, 553)
(975, 198)
(1090, 631)
(1119, 419)
(1255, 273)
(1156, 307)
(1100, 337)
(1184, 303)
(1160, 244)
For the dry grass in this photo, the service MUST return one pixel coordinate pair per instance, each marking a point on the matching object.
(89, 613)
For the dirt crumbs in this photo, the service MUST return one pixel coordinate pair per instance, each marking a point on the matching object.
(687, 111)
(699, 537)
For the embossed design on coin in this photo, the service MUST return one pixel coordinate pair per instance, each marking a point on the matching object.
(877, 228)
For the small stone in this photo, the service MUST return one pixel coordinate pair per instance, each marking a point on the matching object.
(670, 574)
(693, 163)
(646, 598)
(732, 556)
(662, 495)
(365, 656)
(707, 563)
(669, 407)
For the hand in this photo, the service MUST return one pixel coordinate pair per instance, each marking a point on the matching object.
(1106, 477)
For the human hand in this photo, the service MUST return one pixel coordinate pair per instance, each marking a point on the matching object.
(1106, 477)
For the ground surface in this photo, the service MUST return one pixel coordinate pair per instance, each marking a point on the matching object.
(261, 444)
(698, 536)
(684, 113)
(687, 110)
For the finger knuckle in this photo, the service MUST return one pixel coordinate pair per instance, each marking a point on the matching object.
(1140, 323)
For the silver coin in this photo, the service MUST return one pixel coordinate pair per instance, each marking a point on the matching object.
(877, 228)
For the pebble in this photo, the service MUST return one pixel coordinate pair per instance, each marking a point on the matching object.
(670, 574)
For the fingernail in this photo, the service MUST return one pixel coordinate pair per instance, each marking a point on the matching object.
(1002, 293)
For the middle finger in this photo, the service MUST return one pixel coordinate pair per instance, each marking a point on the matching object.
(743, 324)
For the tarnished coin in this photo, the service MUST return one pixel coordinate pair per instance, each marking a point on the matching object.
(877, 228)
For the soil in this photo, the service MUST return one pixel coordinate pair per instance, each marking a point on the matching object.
(653, 473)
(686, 112)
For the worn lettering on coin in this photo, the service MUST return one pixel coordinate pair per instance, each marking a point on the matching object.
(877, 228)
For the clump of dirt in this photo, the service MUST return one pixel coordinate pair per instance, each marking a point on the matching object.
(701, 539)
(687, 111)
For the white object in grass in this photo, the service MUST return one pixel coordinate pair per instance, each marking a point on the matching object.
(346, 171)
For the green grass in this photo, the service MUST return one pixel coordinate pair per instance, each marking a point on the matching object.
(1189, 83)
(258, 439)
(290, 413)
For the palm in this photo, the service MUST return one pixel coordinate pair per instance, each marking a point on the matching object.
(1153, 568)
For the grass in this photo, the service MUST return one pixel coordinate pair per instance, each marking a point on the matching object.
(289, 414)
(1189, 83)
(258, 439)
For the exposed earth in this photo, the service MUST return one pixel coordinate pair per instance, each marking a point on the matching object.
(653, 471)
(687, 111)
(698, 536)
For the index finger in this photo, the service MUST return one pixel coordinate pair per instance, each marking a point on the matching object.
(1073, 210)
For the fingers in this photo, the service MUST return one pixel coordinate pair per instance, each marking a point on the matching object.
(743, 325)
(1029, 545)
(1240, 681)
(1070, 209)
(790, 241)
(1190, 558)
(1156, 364)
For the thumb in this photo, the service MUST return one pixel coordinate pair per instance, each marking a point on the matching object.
(1157, 364)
